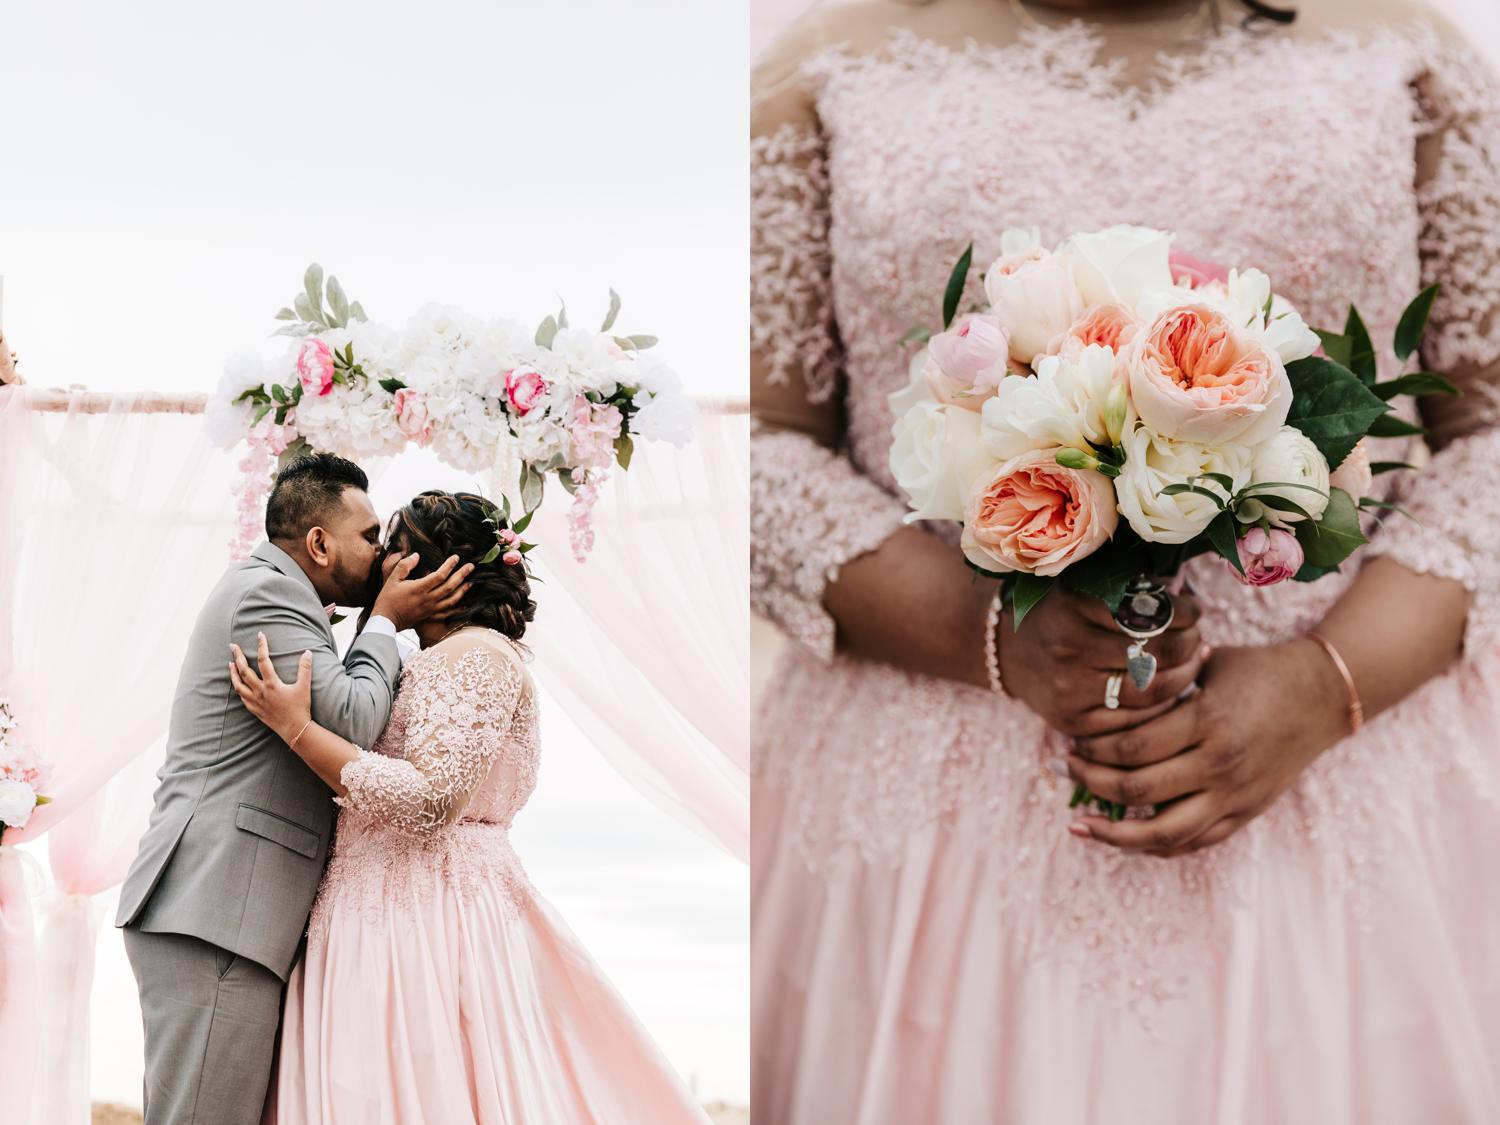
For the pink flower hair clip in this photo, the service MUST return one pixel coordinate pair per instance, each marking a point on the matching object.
(509, 547)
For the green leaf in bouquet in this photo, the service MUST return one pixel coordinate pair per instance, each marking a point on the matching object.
(1369, 503)
(562, 313)
(1106, 573)
(1378, 467)
(1335, 347)
(255, 394)
(1330, 406)
(1252, 491)
(262, 411)
(614, 311)
(1416, 383)
(523, 523)
(298, 329)
(338, 303)
(1026, 591)
(918, 335)
(286, 314)
(1361, 350)
(1223, 536)
(1388, 425)
(956, 282)
(1179, 489)
(392, 385)
(306, 311)
(546, 332)
(532, 483)
(312, 284)
(565, 478)
(624, 448)
(1310, 573)
(1333, 538)
(281, 415)
(1279, 503)
(298, 448)
(1413, 322)
(1223, 480)
(356, 310)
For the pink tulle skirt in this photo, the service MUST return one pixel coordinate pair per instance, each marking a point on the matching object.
(439, 989)
(1337, 961)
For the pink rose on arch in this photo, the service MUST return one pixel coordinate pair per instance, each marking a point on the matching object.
(412, 418)
(967, 362)
(1268, 557)
(315, 367)
(524, 387)
(1186, 268)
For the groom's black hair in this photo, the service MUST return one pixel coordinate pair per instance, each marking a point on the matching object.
(307, 491)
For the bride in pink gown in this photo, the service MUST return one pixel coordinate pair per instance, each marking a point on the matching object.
(437, 987)
(936, 937)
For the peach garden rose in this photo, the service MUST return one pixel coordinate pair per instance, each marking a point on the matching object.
(1031, 514)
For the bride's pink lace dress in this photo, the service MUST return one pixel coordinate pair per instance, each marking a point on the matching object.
(929, 943)
(437, 987)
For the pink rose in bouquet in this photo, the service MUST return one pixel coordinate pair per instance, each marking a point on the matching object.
(966, 363)
(524, 388)
(1033, 515)
(1034, 299)
(1353, 474)
(411, 415)
(315, 367)
(1268, 557)
(1195, 272)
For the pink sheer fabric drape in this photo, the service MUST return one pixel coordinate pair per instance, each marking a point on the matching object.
(650, 649)
(115, 528)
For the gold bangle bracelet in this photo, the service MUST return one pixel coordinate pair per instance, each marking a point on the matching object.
(292, 745)
(1356, 708)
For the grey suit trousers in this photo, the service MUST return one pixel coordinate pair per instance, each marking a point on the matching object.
(213, 1017)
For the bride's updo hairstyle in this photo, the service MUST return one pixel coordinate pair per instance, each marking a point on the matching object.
(438, 524)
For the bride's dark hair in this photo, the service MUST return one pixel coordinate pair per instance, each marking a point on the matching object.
(438, 524)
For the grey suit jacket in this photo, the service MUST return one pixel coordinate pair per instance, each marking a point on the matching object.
(241, 828)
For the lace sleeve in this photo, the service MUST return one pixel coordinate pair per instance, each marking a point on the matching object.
(462, 708)
(791, 310)
(1458, 192)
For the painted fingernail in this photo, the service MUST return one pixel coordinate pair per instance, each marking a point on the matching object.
(1205, 652)
(1080, 830)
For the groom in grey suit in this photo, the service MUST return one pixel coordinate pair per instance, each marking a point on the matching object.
(217, 900)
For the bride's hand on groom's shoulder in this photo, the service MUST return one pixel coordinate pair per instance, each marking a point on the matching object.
(1221, 758)
(284, 707)
(1060, 659)
(407, 601)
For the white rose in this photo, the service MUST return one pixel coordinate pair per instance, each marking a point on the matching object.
(1284, 332)
(1288, 457)
(1061, 405)
(1033, 298)
(17, 801)
(935, 451)
(1152, 463)
(1119, 264)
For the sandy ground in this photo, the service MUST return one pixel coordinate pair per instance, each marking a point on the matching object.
(120, 1115)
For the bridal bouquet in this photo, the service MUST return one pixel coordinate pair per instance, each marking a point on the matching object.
(486, 395)
(1114, 410)
(21, 775)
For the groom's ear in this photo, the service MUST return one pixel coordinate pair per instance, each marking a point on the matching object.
(317, 545)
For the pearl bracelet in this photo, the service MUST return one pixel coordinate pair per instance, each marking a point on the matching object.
(992, 643)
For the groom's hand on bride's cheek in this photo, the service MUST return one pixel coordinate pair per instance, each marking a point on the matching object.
(408, 601)
(1060, 660)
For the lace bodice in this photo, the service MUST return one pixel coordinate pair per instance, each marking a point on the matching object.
(461, 744)
(1350, 168)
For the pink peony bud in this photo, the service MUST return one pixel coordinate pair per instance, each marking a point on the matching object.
(508, 536)
(1269, 557)
(967, 362)
(315, 367)
(524, 387)
(510, 558)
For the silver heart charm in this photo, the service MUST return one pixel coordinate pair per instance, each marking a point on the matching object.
(1141, 665)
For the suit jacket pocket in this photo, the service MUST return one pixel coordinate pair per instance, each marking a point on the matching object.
(278, 829)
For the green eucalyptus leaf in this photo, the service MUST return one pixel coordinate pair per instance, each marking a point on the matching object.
(614, 311)
(1331, 406)
(565, 478)
(338, 302)
(1222, 536)
(286, 314)
(1361, 350)
(1416, 383)
(1335, 536)
(356, 310)
(642, 342)
(1388, 425)
(305, 310)
(1414, 322)
(546, 332)
(956, 282)
(1026, 591)
(312, 284)
(562, 314)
